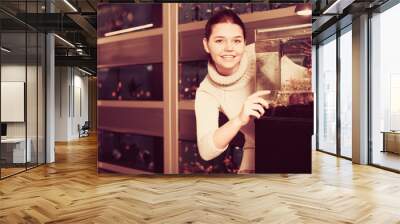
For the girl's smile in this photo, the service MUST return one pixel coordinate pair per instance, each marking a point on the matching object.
(226, 46)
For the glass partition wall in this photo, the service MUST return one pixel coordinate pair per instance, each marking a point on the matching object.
(13, 85)
(326, 96)
(22, 90)
(345, 91)
(385, 90)
(334, 94)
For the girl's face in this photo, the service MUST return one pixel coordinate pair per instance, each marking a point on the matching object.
(226, 46)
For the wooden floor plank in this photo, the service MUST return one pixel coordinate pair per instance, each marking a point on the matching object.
(71, 191)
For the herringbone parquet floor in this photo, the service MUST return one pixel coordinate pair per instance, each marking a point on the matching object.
(70, 191)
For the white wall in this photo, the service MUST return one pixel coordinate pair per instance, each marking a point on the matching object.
(70, 83)
(12, 73)
(80, 102)
(61, 103)
(33, 127)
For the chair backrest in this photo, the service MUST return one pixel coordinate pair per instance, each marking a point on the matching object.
(86, 125)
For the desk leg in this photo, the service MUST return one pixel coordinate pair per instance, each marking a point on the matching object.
(384, 142)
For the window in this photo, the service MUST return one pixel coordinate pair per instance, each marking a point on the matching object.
(385, 89)
(327, 96)
(346, 92)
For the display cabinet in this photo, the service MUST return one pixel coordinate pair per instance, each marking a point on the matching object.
(133, 82)
(133, 71)
(130, 151)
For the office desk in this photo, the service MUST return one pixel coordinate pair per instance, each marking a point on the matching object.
(391, 141)
(13, 150)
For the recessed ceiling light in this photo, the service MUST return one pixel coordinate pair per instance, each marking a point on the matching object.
(70, 5)
(5, 50)
(337, 7)
(86, 72)
(64, 40)
(303, 10)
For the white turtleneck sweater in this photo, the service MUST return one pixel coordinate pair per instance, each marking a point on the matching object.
(226, 94)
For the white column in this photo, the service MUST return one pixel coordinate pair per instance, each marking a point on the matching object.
(50, 99)
(360, 90)
(50, 92)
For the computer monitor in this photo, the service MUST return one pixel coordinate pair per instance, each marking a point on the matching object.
(3, 129)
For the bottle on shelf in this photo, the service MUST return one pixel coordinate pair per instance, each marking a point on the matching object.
(242, 8)
(134, 82)
(220, 6)
(258, 7)
(131, 150)
(191, 75)
(190, 12)
(107, 84)
(191, 162)
(227, 162)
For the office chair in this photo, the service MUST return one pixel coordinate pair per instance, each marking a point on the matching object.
(84, 130)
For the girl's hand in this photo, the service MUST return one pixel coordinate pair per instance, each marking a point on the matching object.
(253, 107)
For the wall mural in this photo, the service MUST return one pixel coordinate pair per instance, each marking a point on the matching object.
(131, 96)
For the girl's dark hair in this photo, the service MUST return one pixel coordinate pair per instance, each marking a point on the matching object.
(224, 16)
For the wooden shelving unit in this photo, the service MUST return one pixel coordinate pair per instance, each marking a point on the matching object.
(132, 117)
(140, 47)
(186, 105)
(121, 169)
(172, 43)
(131, 104)
(154, 118)
(144, 34)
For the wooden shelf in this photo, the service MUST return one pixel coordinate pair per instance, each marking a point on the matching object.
(192, 26)
(141, 47)
(138, 130)
(131, 104)
(130, 36)
(186, 105)
(121, 169)
(140, 117)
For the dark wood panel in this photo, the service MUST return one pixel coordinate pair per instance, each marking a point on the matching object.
(146, 121)
(187, 125)
(144, 50)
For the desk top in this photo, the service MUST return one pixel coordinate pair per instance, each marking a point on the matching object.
(13, 140)
(391, 132)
